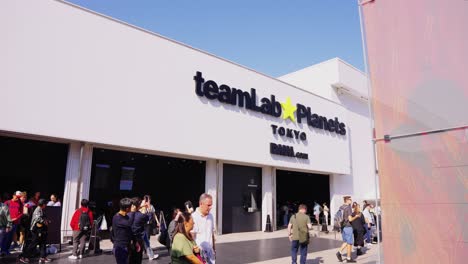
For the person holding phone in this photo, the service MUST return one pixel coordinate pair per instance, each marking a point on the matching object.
(153, 221)
(189, 206)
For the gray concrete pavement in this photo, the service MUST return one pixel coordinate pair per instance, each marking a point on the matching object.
(252, 247)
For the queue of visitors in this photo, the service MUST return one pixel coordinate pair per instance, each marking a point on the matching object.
(356, 226)
(24, 225)
(320, 212)
(191, 234)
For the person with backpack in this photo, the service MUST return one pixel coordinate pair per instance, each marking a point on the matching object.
(299, 235)
(39, 233)
(81, 224)
(343, 218)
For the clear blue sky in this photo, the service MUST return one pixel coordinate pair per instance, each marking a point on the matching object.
(273, 37)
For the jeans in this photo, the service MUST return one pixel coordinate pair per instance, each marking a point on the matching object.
(121, 254)
(285, 219)
(7, 239)
(79, 238)
(367, 234)
(2, 237)
(295, 245)
(146, 243)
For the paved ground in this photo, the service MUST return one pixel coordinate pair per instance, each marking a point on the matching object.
(252, 247)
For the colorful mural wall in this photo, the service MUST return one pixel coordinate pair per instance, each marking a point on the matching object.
(417, 53)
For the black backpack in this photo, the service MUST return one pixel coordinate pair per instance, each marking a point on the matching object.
(85, 221)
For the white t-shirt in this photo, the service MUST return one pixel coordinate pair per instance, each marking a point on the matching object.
(203, 230)
(50, 203)
(367, 215)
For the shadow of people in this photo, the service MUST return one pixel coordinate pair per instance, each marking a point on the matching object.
(316, 260)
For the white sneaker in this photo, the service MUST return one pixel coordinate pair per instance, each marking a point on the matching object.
(155, 256)
(72, 257)
(80, 256)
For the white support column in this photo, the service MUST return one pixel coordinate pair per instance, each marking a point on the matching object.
(267, 196)
(70, 195)
(273, 182)
(219, 168)
(211, 185)
(85, 174)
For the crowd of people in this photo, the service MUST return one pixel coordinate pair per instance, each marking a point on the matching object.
(23, 224)
(321, 212)
(356, 224)
(190, 233)
(189, 236)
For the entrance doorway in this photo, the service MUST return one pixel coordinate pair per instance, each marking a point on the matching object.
(294, 188)
(242, 193)
(32, 166)
(169, 181)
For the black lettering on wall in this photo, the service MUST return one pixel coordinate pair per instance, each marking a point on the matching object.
(331, 125)
(281, 131)
(210, 89)
(342, 129)
(198, 83)
(296, 134)
(224, 95)
(275, 107)
(303, 136)
(241, 98)
(301, 112)
(269, 106)
(266, 106)
(274, 129)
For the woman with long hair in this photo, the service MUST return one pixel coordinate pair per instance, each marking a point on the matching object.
(358, 228)
(172, 225)
(148, 209)
(184, 249)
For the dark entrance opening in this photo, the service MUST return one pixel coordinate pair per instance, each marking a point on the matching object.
(169, 181)
(32, 166)
(242, 199)
(294, 188)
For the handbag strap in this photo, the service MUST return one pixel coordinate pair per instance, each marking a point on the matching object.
(162, 219)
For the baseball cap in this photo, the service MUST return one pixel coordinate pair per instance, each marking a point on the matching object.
(18, 193)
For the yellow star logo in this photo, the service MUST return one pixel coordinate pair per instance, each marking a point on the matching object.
(288, 110)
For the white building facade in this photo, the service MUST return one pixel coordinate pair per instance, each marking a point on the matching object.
(72, 76)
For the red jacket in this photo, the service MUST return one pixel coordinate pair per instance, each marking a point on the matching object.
(76, 218)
